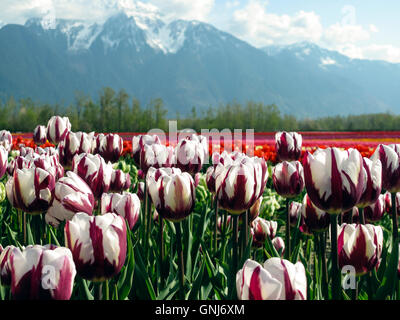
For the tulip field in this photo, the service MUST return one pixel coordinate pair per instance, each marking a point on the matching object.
(128, 216)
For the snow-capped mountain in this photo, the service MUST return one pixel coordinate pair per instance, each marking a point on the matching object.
(186, 63)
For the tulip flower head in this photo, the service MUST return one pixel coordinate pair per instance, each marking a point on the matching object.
(315, 219)
(95, 171)
(372, 182)
(172, 192)
(42, 272)
(98, 244)
(138, 143)
(120, 181)
(288, 146)
(110, 147)
(360, 246)
(6, 139)
(40, 135)
(288, 179)
(3, 161)
(241, 183)
(31, 190)
(190, 153)
(278, 279)
(334, 178)
(72, 195)
(261, 229)
(57, 129)
(73, 144)
(374, 212)
(126, 205)
(279, 245)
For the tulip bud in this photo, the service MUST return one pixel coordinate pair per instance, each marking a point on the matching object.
(120, 181)
(126, 205)
(172, 192)
(3, 161)
(40, 135)
(98, 244)
(138, 143)
(140, 191)
(111, 147)
(31, 190)
(288, 179)
(57, 128)
(372, 182)
(221, 223)
(288, 145)
(73, 144)
(279, 279)
(190, 153)
(94, 171)
(315, 219)
(375, 212)
(71, 195)
(295, 209)
(5, 268)
(262, 229)
(279, 245)
(334, 179)
(42, 272)
(360, 246)
(241, 183)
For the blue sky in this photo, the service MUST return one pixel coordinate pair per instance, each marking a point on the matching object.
(358, 28)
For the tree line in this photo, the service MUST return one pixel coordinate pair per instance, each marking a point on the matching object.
(116, 111)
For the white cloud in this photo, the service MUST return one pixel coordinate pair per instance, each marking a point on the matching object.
(232, 4)
(254, 24)
(344, 34)
(373, 28)
(185, 9)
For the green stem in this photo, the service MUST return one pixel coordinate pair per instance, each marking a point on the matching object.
(287, 231)
(336, 285)
(180, 264)
(234, 256)
(107, 290)
(322, 247)
(395, 233)
(216, 225)
(361, 215)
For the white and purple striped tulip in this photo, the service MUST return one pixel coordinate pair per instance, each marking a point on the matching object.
(120, 181)
(172, 192)
(288, 179)
(110, 147)
(3, 161)
(334, 178)
(254, 211)
(73, 144)
(372, 182)
(156, 156)
(314, 218)
(278, 279)
(295, 209)
(261, 229)
(6, 139)
(5, 269)
(360, 246)
(57, 128)
(288, 145)
(138, 143)
(42, 273)
(390, 159)
(94, 171)
(31, 190)
(240, 184)
(40, 135)
(127, 205)
(71, 195)
(190, 153)
(374, 212)
(98, 244)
